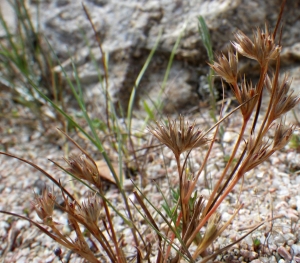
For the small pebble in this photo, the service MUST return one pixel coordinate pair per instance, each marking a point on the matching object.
(282, 251)
(295, 249)
(248, 254)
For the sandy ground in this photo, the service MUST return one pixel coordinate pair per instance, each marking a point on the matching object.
(270, 191)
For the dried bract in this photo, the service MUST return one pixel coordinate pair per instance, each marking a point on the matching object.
(211, 233)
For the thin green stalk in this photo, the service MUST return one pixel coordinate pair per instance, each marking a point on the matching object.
(137, 82)
(104, 64)
(158, 104)
(205, 37)
(170, 225)
(100, 147)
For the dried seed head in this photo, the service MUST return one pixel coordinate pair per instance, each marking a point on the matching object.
(179, 138)
(247, 92)
(82, 245)
(257, 153)
(90, 210)
(282, 136)
(284, 99)
(83, 168)
(262, 48)
(226, 67)
(44, 205)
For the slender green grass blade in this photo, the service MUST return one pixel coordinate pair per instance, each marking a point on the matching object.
(137, 82)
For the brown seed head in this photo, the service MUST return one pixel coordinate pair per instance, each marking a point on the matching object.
(83, 168)
(262, 48)
(282, 136)
(44, 205)
(226, 67)
(90, 210)
(247, 92)
(284, 98)
(257, 153)
(179, 138)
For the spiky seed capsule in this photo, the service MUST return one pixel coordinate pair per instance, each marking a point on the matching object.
(284, 99)
(226, 68)
(44, 205)
(282, 136)
(82, 167)
(179, 138)
(262, 48)
(90, 210)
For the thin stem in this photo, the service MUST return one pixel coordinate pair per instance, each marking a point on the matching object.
(193, 185)
(104, 244)
(236, 147)
(181, 186)
(229, 178)
(209, 214)
(259, 88)
(264, 127)
(104, 64)
(112, 229)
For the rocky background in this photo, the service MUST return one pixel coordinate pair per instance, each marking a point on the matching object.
(129, 30)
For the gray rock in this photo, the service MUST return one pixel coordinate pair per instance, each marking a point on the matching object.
(129, 29)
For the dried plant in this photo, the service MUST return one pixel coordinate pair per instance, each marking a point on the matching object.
(44, 205)
(258, 147)
(179, 138)
(193, 220)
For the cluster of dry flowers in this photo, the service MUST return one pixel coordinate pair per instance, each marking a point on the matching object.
(197, 222)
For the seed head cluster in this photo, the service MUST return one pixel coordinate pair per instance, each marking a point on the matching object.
(179, 138)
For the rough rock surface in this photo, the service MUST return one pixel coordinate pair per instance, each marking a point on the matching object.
(129, 30)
